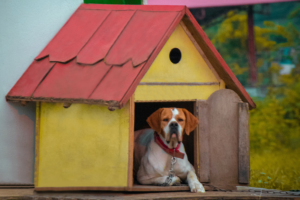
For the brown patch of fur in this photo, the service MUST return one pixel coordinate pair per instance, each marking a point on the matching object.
(191, 121)
(154, 120)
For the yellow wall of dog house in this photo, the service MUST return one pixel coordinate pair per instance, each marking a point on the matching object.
(83, 145)
(191, 67)
(171, 92)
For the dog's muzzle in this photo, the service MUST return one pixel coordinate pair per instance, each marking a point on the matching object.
(173, 130)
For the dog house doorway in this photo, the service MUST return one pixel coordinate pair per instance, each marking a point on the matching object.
(144, 109)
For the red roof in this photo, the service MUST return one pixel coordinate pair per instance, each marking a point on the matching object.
(103, 51)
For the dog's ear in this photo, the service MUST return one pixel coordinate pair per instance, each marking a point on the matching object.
(191, 121)
(154, 120)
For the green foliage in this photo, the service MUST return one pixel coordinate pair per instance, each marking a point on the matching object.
(231, 40)
(275, 136)
(295, 12)
(275, 123)
(113, 1)
(276, 170)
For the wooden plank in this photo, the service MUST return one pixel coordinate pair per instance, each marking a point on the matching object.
(16, 186)
(74, 35)
(174, 92)
(153, 188)
(116, 83)
(203, 141)
(72, 81)
(244, 157)
(37, 143)
(131, 142)
(149, 62)
(179, 83)
(215, 58)
(111, 104)
(223, 139)
(15, 193)
(135, 188)
(98, 46)
(29, 194)
(132, 7)
(31, 78)
(140, 37)
(181, 100)
(196, 143)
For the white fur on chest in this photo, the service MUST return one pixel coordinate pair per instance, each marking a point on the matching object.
(157, 162)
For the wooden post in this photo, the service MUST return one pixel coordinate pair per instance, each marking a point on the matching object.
(251, 47)
(243, 128)
(37, 142)
(131, 142)
(203, 141)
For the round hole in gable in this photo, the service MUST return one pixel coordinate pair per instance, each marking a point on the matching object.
(175, 55)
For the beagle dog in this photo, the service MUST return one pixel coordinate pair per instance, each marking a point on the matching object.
(155, 147)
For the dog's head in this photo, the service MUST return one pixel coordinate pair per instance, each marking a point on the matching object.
(172, 123)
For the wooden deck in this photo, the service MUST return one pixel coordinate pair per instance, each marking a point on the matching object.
(29, 194)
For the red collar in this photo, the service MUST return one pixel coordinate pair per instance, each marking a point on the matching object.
(173, 152)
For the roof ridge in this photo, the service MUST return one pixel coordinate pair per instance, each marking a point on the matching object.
(132, 7)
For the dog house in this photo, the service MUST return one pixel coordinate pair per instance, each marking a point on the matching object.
(105, 72)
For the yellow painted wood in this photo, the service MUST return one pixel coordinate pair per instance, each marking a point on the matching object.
(222, 84)
(83, 145)
(191, 68)
(171, 93)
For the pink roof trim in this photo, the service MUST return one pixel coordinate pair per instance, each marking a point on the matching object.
(212, 3)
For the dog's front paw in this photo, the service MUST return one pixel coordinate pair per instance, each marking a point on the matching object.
(175, 181)
(197, 187)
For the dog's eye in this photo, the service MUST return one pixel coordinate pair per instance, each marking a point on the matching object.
(180, 120)
(165, 120)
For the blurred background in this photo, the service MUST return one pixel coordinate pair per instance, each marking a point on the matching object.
(261, 45)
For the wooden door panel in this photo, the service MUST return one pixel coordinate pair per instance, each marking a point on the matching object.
(223, 140)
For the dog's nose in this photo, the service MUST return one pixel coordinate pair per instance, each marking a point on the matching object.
(173, 125)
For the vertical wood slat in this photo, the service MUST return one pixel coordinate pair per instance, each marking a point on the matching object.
(131, 142)
(196, 144)
(243, 128)
(203, 140)
(37, 143)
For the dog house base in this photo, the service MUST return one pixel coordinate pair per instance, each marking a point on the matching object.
(135, 188)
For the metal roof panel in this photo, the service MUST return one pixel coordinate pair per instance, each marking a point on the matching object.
(106, 35)
(31, 78)
(71, 81)
(116, 83)
(71, 38)
(140, 37)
